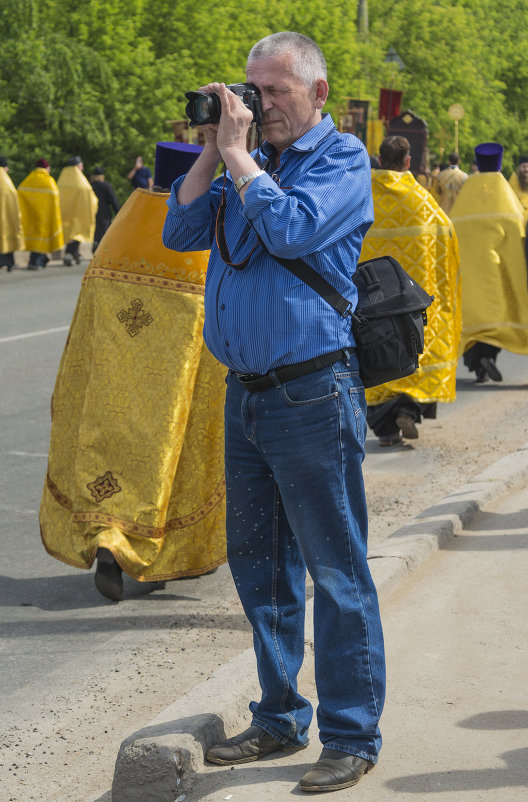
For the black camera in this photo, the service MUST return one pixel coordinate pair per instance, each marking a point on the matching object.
(205, 109)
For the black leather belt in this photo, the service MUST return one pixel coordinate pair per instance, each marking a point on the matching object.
(255, 381)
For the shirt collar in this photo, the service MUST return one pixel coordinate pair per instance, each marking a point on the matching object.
(308, 141)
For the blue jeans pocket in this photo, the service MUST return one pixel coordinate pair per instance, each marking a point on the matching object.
(314, 388)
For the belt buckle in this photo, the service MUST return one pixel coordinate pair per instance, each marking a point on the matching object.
(248, 377)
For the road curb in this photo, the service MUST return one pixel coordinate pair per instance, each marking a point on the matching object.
(159, 762)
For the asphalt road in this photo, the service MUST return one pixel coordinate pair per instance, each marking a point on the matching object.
(35, 312)
(56, 630)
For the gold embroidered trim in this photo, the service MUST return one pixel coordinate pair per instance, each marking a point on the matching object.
(63, 500)
(127, 527)
(130, 528)
(136, 278)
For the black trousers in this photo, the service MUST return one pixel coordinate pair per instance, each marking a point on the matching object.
(477, 352)
(382, 417)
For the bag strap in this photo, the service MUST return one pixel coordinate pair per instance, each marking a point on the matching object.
(314, 280)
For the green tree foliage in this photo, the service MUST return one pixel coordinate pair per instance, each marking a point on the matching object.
(103, 78)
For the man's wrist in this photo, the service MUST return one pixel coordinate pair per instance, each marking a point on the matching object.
(245, 179)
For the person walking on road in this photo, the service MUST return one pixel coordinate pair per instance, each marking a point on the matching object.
(135, 479)
(490, 225)
(38, 196)
(108, 204)
(410, 226)
(295, 405)
(78, 208)
(11, 232)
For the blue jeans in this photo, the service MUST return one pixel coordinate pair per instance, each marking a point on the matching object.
(296, 501)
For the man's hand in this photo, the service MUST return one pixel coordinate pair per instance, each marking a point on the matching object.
(226, 141)
(235, 120)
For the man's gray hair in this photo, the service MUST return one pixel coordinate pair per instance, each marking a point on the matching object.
(308, 62)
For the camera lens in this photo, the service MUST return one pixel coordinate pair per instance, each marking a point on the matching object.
(202, 108)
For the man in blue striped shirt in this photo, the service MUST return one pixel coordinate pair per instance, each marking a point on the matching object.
(295, 407)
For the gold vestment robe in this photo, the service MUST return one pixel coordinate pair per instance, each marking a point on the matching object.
(490, 226)
(410, 226)
(40, 208)
(449, 183)
(522, 194)
(11, 232)
(136, 460)
(78, 204)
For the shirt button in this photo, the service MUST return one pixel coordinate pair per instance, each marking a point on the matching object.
(229, 272)
(222, 306)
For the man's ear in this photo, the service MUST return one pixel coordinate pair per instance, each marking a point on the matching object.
(321, 93)
(407, 162)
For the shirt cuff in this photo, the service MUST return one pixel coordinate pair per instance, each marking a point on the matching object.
(259, 194)
(192, 213)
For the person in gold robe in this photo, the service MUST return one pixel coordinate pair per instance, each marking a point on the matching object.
(450, 182)
(410, 226)
(78, 209)
(490, 225)
(519, 183)
(11, 233)
(38, 197)
(136, 472)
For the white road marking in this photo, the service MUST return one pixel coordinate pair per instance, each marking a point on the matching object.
(26, 454)
(32, 334)
(10, 508)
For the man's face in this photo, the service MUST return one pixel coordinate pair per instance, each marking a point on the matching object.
(289, 107)
(523, 172)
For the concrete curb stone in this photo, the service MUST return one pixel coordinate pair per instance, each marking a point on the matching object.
(159, 762)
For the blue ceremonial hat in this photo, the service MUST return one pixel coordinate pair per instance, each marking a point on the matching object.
(172, 160)
(489, 157)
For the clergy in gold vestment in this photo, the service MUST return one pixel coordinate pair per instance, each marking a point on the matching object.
(519, 183)
(410, 226)
(41, 217)
(490, 226)
(135, 470)
(449, 183)
(11, 233)
(79, 205)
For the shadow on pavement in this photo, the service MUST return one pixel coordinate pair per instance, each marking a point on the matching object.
(514, 774)
(74, 592)
(497, 720)
(226, 779)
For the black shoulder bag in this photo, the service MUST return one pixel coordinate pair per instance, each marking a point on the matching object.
(388, 322)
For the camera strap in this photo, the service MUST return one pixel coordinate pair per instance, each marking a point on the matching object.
(221, 237)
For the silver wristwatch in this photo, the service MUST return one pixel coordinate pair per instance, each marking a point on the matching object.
(245, 179)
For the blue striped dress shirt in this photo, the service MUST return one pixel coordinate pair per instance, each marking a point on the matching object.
(317, 206)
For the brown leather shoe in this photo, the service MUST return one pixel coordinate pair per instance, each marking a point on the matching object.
(335, 770)
(252, 744)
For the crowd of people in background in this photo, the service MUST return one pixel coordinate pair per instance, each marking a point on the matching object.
(478, 212)
(462, 237)
(50, 219)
